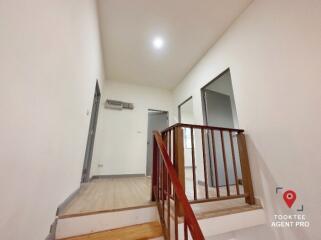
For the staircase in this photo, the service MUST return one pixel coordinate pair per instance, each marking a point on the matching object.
(152, 230)
(183, 208)
(105, 221)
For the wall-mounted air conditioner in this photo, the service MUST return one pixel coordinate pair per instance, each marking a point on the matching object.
(118, 105)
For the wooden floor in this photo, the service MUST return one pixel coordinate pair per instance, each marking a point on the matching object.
(224, 207)
(120, 193)
(110, 194)
(136, 232)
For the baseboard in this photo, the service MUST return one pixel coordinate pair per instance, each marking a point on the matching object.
(52, 232)
(67, 200)
(258, 201)
(50, 236)
(117, 176)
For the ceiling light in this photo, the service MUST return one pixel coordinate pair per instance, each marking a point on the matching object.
(158, 43)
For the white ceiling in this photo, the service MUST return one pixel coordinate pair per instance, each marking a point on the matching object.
(189, 29)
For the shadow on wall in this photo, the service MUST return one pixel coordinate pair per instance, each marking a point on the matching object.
(264, 181)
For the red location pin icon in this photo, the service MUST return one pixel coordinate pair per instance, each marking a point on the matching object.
(289, 197)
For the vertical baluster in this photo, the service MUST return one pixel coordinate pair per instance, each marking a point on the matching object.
(185, 229)
(176, 209)
(170, 153)
(158, 176)
(164, 183)
(234, 165)
(193, 164)
(173, 145)
(168, 207)
(225, 165)
(217, 184)
(155, 171)
(170, 144)
(166, 140)
(162, 189)
(204, 164)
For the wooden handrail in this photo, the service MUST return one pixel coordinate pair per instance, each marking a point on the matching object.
(163, 162)
(202, 127)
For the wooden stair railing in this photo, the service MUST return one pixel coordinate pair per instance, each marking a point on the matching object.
(169, 195)
(220, 157)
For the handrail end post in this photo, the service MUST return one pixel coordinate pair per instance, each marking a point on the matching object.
(179, 162)
(154, 170)
(246, 171)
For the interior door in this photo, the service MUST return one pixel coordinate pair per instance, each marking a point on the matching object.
(91, 136)
(218, 109)
(157, 121)
(218, 113)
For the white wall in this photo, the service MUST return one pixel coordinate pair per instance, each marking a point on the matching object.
(274, 53)
(50, 59)
(246, 234)
(187, 117)
(187, 113)
(121, 136)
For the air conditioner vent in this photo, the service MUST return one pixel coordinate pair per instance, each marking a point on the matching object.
(118, 105)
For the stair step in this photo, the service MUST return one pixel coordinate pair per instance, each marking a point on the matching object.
(136, 232)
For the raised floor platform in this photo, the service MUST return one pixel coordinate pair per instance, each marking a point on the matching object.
(109, 194)
(152, 230)
(105, 204)
(123, 193)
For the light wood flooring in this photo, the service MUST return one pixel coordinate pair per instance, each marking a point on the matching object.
(110, 194)
(224, 207)
(141, 232)
(121, 193)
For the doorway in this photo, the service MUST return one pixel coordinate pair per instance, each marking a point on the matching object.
(219, 110)
(91, 136)
(186, 116)
(186, 112)
(157, 121)
(218, 102)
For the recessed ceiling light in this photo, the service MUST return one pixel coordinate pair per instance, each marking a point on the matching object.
(158, 43)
